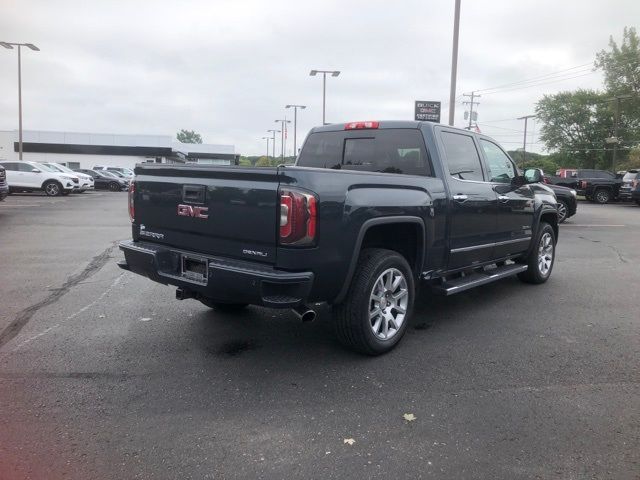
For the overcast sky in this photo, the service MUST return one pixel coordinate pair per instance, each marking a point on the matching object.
(227, 68)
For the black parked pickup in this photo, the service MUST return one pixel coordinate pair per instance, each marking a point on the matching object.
(597, 186)
(369, 210)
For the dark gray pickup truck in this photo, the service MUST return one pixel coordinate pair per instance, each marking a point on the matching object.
(369, 210)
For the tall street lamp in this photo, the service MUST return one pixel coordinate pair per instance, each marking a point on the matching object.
(283, 122)
(267, 139)
(274, 141)
(295, 125)
(10, 46)
(334, 73)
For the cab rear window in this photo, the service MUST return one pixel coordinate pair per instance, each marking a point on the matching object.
(385, 150)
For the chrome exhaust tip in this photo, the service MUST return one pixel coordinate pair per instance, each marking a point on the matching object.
(304, 313)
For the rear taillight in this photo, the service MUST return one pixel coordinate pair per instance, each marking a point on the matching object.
(361, 125)
(583, 184)
(132, 210)
(298, 217)
(635, 183)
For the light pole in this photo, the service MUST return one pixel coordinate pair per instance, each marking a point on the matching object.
(283, 122)
(274, 141)
(334, 73)
(267, 139)
(295, 126)
(454, 64)
(10, 46)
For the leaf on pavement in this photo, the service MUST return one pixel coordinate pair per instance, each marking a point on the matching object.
(409, 417)
(349, 441)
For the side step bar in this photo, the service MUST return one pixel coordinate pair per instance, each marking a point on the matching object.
(473, 280)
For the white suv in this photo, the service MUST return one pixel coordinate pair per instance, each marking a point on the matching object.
(86, 181)
(30, 176)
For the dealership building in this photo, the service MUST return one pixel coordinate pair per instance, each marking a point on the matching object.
(88, 150)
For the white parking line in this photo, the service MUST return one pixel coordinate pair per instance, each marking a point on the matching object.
(20, 205)
(574, 225)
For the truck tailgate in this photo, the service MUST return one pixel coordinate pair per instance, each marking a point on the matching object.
(224, 211)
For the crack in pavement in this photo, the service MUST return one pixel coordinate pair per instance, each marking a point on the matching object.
(620, 257)
(23, 317)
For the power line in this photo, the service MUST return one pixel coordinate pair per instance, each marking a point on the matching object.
(538, 84)
(535, 78)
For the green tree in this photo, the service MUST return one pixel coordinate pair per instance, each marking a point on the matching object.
(576, 123)
(621, 64)
(188, 136)
(263, 162)
(621, 67)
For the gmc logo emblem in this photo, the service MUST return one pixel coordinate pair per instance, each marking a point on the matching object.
(191, 211)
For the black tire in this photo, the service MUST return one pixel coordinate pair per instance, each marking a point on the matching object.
(353, 325)
(563, 211)
(602, 196)
(223, 307)
(114, 187)
(638, 202)
(52, 188)
(536, 273)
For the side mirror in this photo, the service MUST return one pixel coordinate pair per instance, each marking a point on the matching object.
(534, 175)
(35, 170)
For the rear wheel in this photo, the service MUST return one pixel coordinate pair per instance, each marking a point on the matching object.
(602, 196)
(375, 313)
(114, 187)
(223, 307)
(563, 211)
(540, 260)
(52, 189)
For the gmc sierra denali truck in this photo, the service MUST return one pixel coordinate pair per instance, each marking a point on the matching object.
(369, 210)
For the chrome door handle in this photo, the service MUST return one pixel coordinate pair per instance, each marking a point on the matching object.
(460, 198)
(503, 198)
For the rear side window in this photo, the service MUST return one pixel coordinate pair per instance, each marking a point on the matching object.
(322, 150)
(632, 175)
(385, 150)
(462, 156)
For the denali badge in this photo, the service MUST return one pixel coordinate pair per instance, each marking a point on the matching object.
(146, 233)
(191, 211)
(254, 252)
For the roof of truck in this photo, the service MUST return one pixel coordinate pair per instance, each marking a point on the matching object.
(337, 127)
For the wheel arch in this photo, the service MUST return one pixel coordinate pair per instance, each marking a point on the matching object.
(51, 180)
(375, 233)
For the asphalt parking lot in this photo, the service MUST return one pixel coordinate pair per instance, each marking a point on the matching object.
(103, 374)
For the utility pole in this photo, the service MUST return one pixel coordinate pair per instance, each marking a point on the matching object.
(524, 143)
(454, 63)
(274, 141)
(267, 139)
(284, 122)
(471, 103)
(295, 126)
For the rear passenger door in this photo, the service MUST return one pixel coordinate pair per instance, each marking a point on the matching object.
(472, 202)
(515, 203)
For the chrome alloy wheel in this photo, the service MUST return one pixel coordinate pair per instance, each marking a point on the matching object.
(562, 212)
(52, 189)
(388, 303)
(545, 254)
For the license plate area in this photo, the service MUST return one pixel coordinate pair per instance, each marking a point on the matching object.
(194, 269)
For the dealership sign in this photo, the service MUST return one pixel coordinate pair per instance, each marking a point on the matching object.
(428, 111)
